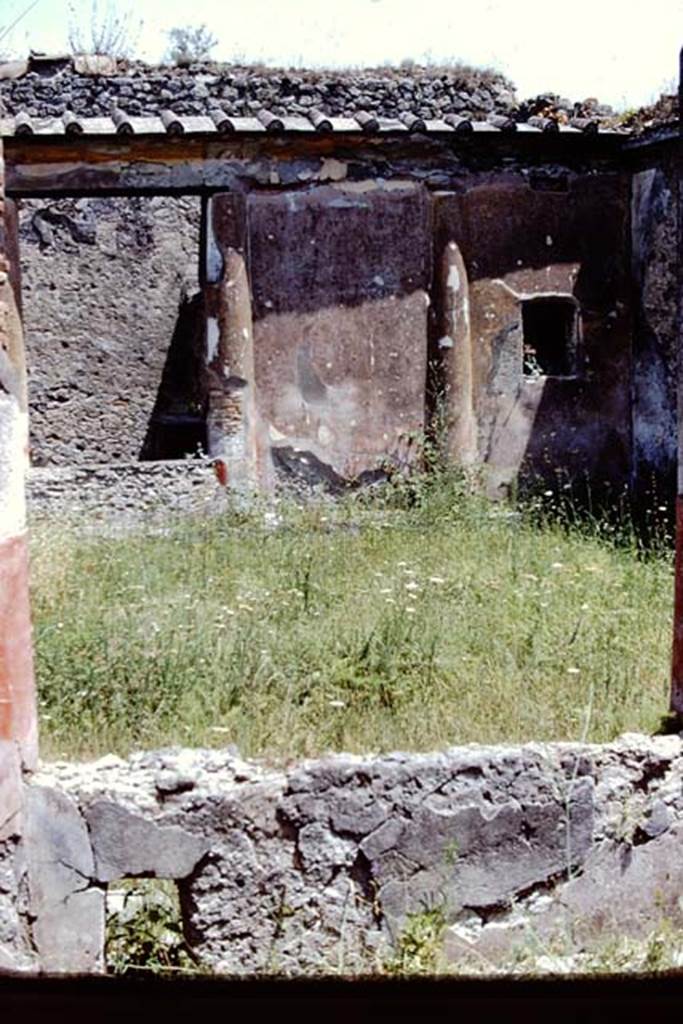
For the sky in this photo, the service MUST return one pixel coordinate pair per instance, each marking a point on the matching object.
(583, 48)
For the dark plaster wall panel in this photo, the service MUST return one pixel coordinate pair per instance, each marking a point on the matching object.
(655, 260)
(340, 277)
(111, 327)
(519, 244)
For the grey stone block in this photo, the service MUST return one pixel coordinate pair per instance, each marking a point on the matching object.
(65, 901)
(658, 820)
(621, 891)
(128, 845)
(322, 852)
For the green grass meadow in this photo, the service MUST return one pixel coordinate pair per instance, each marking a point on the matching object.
(414, 619)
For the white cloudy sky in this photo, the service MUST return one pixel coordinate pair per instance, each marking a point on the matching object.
(621, 52)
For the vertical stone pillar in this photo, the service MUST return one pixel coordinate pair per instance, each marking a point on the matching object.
(456, 357)
(235, 435)
(18, 720)
(232, 408)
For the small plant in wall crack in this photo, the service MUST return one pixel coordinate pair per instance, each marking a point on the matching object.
(632, 817)
(190, 43)
(419, 945)
(144, 930)
(450, 853)
(280, 916)
(107, 31)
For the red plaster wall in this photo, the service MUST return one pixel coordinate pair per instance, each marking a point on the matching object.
(18, 721)
(17, 698)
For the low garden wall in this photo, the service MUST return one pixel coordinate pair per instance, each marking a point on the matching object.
(125, 492)
(324, 866)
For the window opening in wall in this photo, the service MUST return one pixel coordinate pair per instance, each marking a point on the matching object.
(549, 337)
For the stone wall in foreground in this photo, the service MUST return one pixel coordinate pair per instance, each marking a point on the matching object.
(322, 866)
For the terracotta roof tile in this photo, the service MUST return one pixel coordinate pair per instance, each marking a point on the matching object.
(216, 121)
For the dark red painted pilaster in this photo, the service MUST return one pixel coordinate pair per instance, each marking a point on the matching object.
(17, 697)
(18, 718)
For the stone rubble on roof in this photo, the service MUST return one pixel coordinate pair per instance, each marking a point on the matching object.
(67, 90)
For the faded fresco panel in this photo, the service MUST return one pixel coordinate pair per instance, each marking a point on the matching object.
(340, 279)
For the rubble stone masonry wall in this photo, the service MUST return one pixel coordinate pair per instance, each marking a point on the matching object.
(109, 290)
(321, 866)
(49, 90)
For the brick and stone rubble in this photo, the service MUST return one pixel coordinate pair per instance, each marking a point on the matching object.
(124, 495)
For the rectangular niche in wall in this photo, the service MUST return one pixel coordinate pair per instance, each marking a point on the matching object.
(550, 328)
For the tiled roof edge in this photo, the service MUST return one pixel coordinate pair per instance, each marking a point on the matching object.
(216, 122)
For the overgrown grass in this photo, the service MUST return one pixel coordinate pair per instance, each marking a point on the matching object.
(417, 619)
